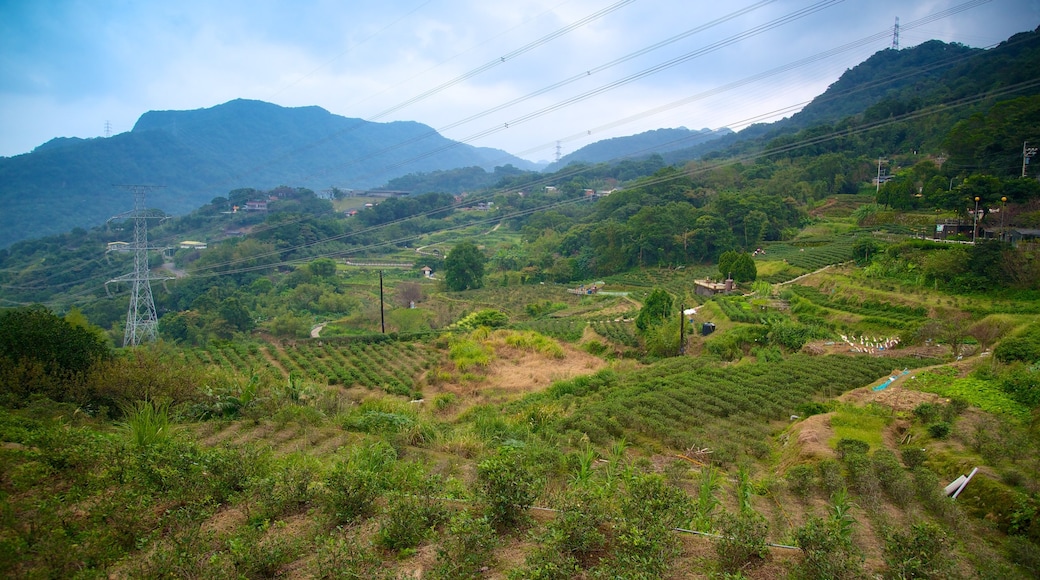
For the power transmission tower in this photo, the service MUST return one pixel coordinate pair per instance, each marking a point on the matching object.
(558, 148)
(108, 129)
(141, 319)
(895, 35)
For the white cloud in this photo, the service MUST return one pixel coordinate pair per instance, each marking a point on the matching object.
(67, 68)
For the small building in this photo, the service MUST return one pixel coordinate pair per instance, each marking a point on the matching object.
(118, 246)
(709, 288)
(256, 206)
(192, 245)
(427, 271)
(948, 229)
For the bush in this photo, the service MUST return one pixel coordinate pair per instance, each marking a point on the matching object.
(352, 485)
(467, 550)
(800, 480)
(939, 430)
(508, 487)
(408, 521)
(345, 559)
(827, 544)
(847, 447)
(922, 552)
(913, 457)
(742, 541)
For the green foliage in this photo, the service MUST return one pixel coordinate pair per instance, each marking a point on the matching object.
(656, 309)
(800, 480)
(345, 559)
(467, 550)
(940, 430)
(847, 447)
(923, 551)
(44, 353)
(827, 544)
(508, 488)
(741, 541)
(488, 317)
(147, 423)
(738, 265)
(1023, 346)
(353, 483)
(983, 393)
(408, 520)
(534, 342)
(464, 267)
(468, 353)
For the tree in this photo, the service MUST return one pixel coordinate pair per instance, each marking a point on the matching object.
(37, 334)
(464, 267)
(739, 265)
(656, 309)
(323, 267)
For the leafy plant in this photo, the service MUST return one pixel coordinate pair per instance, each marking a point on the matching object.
(508, 487)
(741, 541)
(147, 423)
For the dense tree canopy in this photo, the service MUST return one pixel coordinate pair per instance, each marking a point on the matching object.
(464, 267)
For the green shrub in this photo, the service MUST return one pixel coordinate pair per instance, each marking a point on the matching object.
(467, 550)
(827, 544)
(352, 485)
(939, 430)
(927, 412)
(847, 447)
(408, 521)
(508, 487)
(800, 480)
(338, 558)
(742, 540)
(913, 457)
(831, 478)
(921, 552)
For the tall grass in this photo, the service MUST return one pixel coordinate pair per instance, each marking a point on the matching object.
(147, 423)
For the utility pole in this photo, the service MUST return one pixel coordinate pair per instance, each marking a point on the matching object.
(1027, 153)
(382, 321)
(141, 319)
(682, 329)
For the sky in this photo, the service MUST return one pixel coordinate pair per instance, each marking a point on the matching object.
(531, 77)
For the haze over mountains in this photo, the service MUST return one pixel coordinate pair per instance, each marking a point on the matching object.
(201, 154)
(198, 155)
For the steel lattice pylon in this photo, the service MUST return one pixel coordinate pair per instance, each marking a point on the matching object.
(141, 318)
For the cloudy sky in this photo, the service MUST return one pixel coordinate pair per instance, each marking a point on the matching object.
(519, 75)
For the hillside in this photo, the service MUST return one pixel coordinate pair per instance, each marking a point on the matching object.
(198, 155)
(641, 145)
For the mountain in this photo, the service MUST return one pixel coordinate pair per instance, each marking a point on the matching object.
(640, 145)
(198, 155)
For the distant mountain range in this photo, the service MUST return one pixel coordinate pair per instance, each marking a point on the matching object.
(198, 155)
(641, 145)
(201, 154)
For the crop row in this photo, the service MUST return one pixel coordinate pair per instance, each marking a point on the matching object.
(623, 333)
(870, 308)
(390, 365)
(740, 310)
(723, 409)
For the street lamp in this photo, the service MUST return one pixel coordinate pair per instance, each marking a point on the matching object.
(975, 220)
(1003, 204)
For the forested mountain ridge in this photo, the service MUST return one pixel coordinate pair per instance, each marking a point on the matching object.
(197, 155)
(640, 145)
(893, 84)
